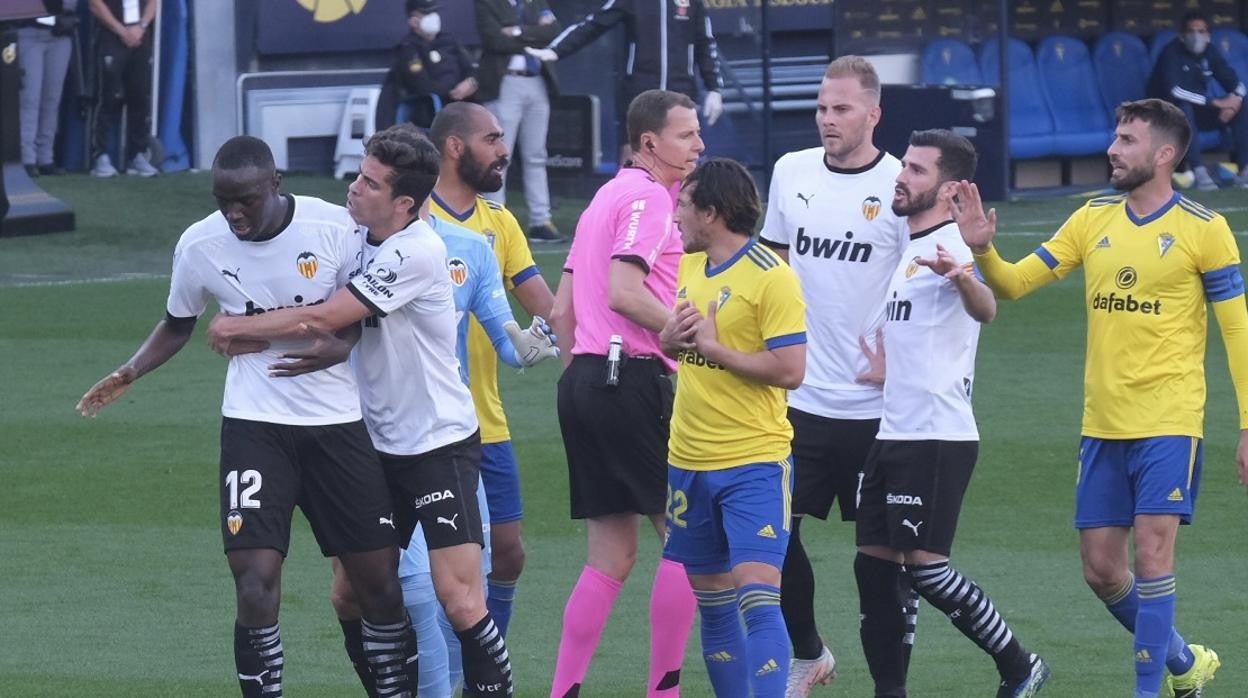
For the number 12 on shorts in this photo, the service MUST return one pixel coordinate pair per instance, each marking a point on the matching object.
(251, 481)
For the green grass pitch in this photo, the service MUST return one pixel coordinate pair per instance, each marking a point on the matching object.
(112, 581)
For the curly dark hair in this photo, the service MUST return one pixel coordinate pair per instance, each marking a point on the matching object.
(412, 158)
(725, 185)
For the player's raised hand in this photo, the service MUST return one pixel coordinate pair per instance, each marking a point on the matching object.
(108, 389)
(677, 333)
(325, 349)
(944, 264)
(875, 359)
(706, 338)
(535, 344)
(977, 227)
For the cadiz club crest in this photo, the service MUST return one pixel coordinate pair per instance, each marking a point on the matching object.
(307, 264)
(234, 522)
(459, 270)
(871, 207)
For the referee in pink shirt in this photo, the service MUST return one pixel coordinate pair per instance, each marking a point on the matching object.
(620, 279)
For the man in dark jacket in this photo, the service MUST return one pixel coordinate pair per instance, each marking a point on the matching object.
(666, 39)
(517, 89)
(1185, 74)
(430, 69)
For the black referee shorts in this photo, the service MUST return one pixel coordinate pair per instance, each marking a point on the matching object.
(616, 436)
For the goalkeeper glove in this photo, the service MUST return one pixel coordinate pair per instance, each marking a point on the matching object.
(534, 345)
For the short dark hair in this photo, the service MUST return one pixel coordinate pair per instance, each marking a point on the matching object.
(454, 119)
(648, 112)
(412, 158)
(957, 158)
(726, 186)
(1162, 117)
(1192, 16)
(242, 152)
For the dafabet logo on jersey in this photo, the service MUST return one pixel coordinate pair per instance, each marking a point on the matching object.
(458, 269)
(871, 207)
(327, 11)
(234, 522)
(306, 263)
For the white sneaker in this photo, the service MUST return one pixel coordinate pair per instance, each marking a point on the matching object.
(805, 674)
(103, 167)
(141, 167)
(1204, 181)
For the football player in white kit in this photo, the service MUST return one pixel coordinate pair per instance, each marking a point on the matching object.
(419, 413)
(921, 463)
(284, 441)
(828, 216)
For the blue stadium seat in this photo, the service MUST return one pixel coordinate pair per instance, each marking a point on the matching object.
(1234, 45)
(950, 62)
(1031, 122)
(1080, 122)
(1159, 41)
(1122, 68)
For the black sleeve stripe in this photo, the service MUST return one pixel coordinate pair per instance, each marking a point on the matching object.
(773, 244)
(567, 270)
(366, 300)
(633, 259)
(179, 323)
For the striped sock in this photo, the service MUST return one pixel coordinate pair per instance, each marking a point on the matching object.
(973, 613)
(1124, 604)
(259, 658)
(487, 666)
(391, 652)
(1154, 624)
(353, 641)
(766, 639)
(500, 596)
(910, 609)
(723, 642)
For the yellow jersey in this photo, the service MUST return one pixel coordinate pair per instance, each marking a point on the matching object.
(511, 248)
(1148, 280)
(722, 420)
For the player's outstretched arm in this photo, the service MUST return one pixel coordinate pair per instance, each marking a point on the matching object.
(1007, 279)
(342, 309)
(781, 366)
(563, 318)
(166, 339)
(1232, 318)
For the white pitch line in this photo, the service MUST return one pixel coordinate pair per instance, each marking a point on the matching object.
(116, 278)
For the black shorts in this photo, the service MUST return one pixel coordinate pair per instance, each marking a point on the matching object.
(912, 494)
(331, 472)
(828, 457)
(438, 489)
(616, 436)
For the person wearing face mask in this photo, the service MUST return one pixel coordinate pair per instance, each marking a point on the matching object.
(431, 68)
(1183, 75)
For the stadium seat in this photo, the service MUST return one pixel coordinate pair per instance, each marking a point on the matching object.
(1122, 68)
(950, 62)
(1080, 123)
(1031, 122)
(1158, 42)
(1234, 45)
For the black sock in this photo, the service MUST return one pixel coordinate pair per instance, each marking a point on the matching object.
(973, 613)
(797, 598)
(487, 667)
(259, 659)
(392, 657)
(353, 640)
(883, 623)
(910, 602)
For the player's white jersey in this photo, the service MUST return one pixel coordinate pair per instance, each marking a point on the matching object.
(930, 343)
(843, 242)
(413, 398)
(312, 256)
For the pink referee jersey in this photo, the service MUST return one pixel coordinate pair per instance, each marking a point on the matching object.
(630, 218)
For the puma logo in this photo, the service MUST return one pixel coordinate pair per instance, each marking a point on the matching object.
(449, 522)
(912, 526)
(387, 521)
(258, 678)
(227, 272)
(402, 259)
(805, 198)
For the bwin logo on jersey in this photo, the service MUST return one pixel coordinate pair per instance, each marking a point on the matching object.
(844, 250)
(458, 269)
(903, 499)
(306, 264)
(431, 498)
(898, 310)
(871, 207)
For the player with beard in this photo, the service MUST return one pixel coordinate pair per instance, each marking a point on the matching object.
(1152, 260)
(284, 441)
(826, 216)
(921, 463)
(419, 413)
(474, 156)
